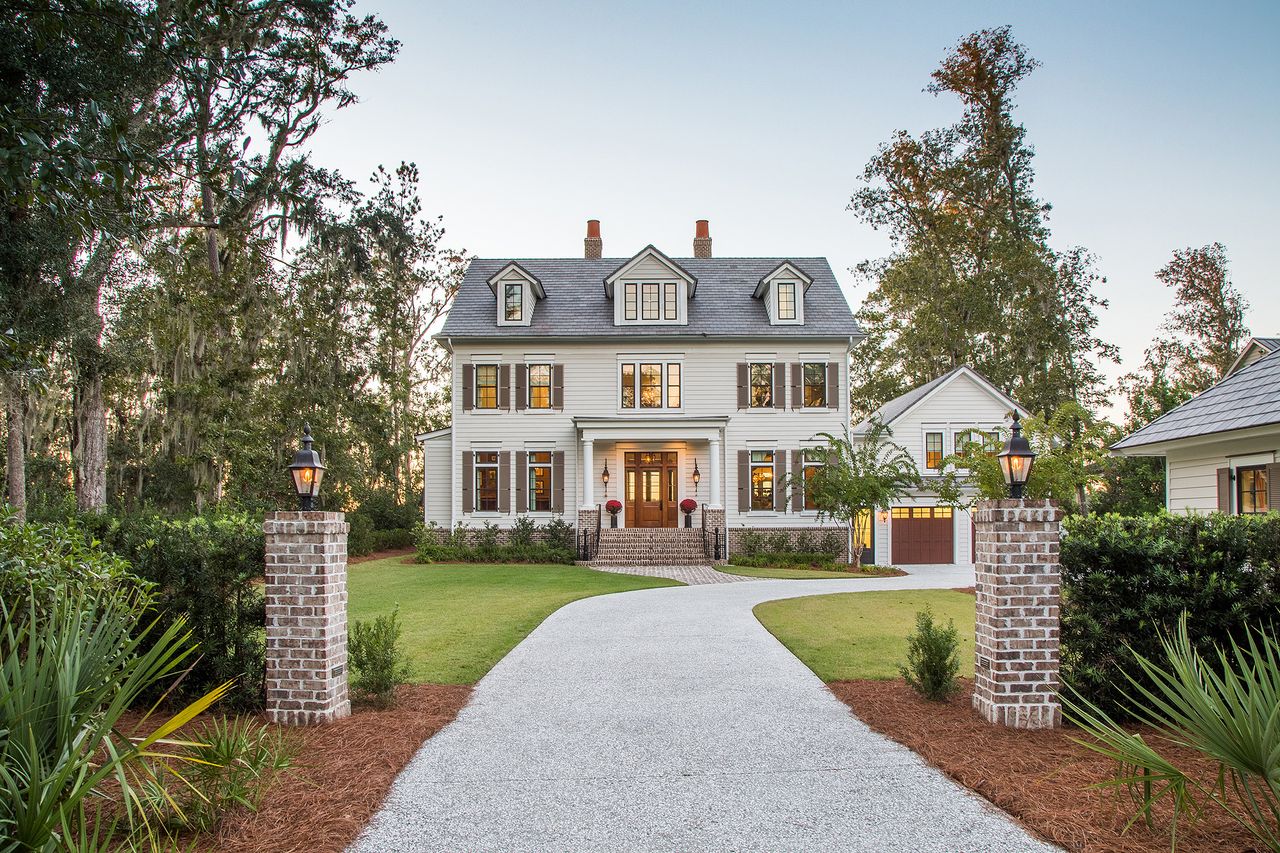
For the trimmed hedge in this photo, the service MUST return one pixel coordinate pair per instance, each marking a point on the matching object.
(1127, 580)
(788, 560)
(526, 542)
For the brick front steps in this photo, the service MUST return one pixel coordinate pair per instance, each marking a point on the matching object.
(671, 546)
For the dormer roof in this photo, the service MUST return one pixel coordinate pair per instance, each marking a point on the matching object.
(654, 253)
(787, 270)
(535, 283)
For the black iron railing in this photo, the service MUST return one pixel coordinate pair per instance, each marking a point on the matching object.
(589, 540)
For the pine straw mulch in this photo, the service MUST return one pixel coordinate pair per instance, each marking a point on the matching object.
(1041, 778)
(342, 773)
(381, 555)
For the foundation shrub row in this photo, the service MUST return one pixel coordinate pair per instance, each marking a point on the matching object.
(786, 548)
(524, 542)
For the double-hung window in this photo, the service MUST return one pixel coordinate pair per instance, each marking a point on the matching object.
(540, 481)
(514, 301)
(813, 462)
(762, 479)
(762, 385)
(650, 385)
(815, 384)
(787, 300)
(486, 466)
(933, 451)
(486, 386)
(1251, 490)
(539, 386)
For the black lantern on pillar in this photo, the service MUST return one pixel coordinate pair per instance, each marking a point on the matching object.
(697, 476)
(306, 471)
(1016, 460)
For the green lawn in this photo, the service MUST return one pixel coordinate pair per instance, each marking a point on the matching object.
(794, 574)
(852, 635)
(459, 620)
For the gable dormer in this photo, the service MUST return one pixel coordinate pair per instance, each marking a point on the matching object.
(782, 292)
(516, 292)
(650, 289)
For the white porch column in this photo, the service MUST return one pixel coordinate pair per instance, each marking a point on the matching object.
(715, 472)
(588, 474)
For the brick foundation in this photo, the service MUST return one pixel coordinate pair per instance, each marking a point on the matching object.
(793, 535)
(1018, 596)
(306, 596)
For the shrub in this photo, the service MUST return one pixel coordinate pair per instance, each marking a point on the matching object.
(558, 535)
(1126, 581)
(233, 762)
(1221, 705)
(208, 567)
(378, 661)
(381, 523)
(550, 544)
(773, 560)
(67, 678)
(933, 659)
(360, 536)
(522, 532)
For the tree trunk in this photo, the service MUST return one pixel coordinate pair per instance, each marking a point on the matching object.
(89, 450)
(16, 462)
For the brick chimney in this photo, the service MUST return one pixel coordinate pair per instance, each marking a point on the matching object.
(593, 245)
(702, 239)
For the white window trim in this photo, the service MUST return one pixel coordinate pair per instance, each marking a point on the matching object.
(528, 387)
(475, 491)
(541, 447)
(648, 358)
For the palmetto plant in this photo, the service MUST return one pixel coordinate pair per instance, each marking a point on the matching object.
(66, 680)
(1228, 710)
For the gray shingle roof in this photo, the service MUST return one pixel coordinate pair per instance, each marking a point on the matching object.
(1247, 398)
(723, 307)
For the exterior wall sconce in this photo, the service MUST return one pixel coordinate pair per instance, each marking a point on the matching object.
(882, 516)
(697, 476)
(306, 471)
(1016, 460)
(604, 477)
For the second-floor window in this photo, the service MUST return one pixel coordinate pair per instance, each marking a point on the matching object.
(539, 386)
(762, 479)
(787, 300)
(933, 450)
(486, 386)
(815, 384)
(540, 481)
(487, 481)
(762, 385)
(514, 302)
(1251, 490)
(976, 442)
(650, 385)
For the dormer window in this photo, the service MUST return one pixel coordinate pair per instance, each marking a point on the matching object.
(786, 300)
(513, 299)
(516, 292)
(650, 289)
(782, 292)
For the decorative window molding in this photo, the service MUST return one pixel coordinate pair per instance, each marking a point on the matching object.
(515, 291)
(650, 384)
(782, 292)
(653, 290)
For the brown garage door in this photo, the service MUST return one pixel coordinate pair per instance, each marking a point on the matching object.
(923, 534)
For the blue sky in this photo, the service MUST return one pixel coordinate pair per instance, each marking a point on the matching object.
(1156, 126)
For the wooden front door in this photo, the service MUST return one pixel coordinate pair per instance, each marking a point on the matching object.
(650, 492)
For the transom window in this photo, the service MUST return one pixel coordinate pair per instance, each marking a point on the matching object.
(650, 385)
(486, 386)
(815, 384)
(787, 300)
(486, 481)
(514, 301)
(933, 450)
(1251, 490)
(540, 481)
(539, 386)
(762, 479)
(762, 385)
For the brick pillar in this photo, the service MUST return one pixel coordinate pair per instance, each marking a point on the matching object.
(1018, 594)
(586, 524)
(306, 593)
(713, 520)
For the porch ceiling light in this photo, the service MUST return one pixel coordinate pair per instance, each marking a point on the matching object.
(1016, 460)
(306, 471)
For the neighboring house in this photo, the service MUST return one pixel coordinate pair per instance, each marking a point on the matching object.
(1221, 447)
(932, 422)
(704, 378)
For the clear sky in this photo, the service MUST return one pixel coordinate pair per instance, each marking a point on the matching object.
(1156, 126)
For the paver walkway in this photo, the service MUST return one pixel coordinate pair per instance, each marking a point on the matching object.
(669, 719)
(691, 575)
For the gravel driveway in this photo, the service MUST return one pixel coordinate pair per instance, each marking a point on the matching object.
(669, 719)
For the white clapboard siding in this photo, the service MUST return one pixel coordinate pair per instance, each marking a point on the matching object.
(1192, 482)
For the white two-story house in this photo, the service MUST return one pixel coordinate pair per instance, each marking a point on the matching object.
(648, 380)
